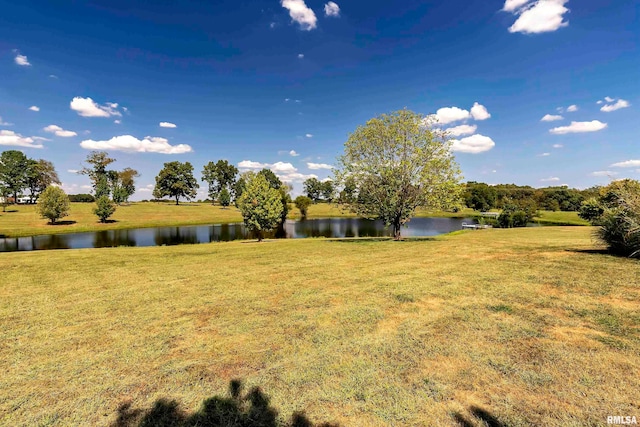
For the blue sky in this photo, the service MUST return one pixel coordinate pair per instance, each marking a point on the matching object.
(283, 82)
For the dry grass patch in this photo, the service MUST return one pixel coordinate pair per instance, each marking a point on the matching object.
(530, 327)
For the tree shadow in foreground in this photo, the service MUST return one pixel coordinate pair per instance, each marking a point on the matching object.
(61, 223)
(250, 410)
(479, 414)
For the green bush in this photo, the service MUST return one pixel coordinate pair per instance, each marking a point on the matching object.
(303, 203)
(104, 208)
(225, 198)
(53, 204)
(81, 198)
(617, 213)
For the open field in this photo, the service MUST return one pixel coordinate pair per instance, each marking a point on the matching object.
(524, 326)
(22, 220)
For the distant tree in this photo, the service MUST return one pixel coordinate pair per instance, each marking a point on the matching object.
(399, 162)
(13, 172)
(313, 188)
(260, 204)
(122, 184)
(480, 196)
(81, 198)
(53, 204)
(225, 198)
(40, 175)
(97, 172)
(238, 189)
(349, 191)
(5, 193)
(104, 208)
(328, 190)
(303, 203)
(219, 175)
(176, 180)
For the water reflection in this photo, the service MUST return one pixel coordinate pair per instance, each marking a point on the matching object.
(161, 236)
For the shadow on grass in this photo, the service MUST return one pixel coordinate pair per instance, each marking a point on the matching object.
(590, 251)
(381, 239)
(251, 410)
(479, 414)
(108, 221)
(62, 223)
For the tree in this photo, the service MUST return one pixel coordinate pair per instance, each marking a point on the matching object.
(480, 196)
(40, 175)
(4, 196)
(328, 189)
(260, 204)
(238, 189)
(97, 172)
(399, 162)
(13, 172)
(219, 175)
(53, 204)
(284, 189)
(617, 214)
(176, 180)
(303, 203)
(225, 198)
(122, 184)
(272, 179)
(104, 208)
(349, 192)
(312, 188)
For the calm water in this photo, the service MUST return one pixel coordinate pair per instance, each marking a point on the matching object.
(330, 227)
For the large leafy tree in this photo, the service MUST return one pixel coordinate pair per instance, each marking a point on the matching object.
(98, 173)
(313, 188)
(480, 196)
(40, 175)
(260, 204)
(13, 172)
(399, 162)
(283, 188)
(220, 175)
(122, 184)
(176, 180)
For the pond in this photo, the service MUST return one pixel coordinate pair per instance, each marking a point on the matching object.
(161, 236)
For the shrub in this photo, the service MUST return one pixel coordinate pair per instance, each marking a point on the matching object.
(53, 204)
(303, 203)
(617, 213)
(104, 208)
(225, 198)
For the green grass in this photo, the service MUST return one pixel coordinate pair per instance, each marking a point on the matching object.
(528, 326)
(559, 218)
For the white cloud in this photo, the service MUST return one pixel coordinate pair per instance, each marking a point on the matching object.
(22, 60)
(2, 123)
(479, 112)
(539, 16)
(317, 166)
(296, 177)
(621, 103)
(599, 102)
(132, 144)
(40, 138)
(473, 144)
(117, 122)
(53, 76)
(272, 25)
(34, 108)
(283, 167)
(545, 154)
(293, 153)
(572, 108)
(551, 179)
(309, 135)
(551, 118)
(167, 125)
(579, 127)
(300, 55)
(604, 173)
(300, 13)
(331, 9)
(8, 137)
(608, 99)
(627, 164)
(447, 115)
(462, 130)
(558, 145)
(58, 131)
(514, 5)
(73, 170)
(86, 107)
(248, 164)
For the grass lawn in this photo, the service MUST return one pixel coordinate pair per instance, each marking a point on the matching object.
(559, 218)
(525, 326)
(22, 220)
